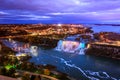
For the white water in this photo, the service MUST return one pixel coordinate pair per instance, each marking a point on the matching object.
(70, 47)
(19, 47)
(87, 73)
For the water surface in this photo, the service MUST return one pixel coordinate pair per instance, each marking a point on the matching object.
(80, 66)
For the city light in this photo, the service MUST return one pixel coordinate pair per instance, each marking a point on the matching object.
(59, 25)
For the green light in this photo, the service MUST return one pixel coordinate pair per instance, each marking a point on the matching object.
(14, 66)
(8, 66)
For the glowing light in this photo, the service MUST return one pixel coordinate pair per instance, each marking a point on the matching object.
(34, 50)
(59, 25)
(82, 45)
(21, 54)
(8, 66)
(69, 45)
(88, 46)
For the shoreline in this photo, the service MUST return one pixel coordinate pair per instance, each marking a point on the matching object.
(109, 51)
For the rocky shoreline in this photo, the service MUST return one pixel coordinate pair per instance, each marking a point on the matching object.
(108, 51)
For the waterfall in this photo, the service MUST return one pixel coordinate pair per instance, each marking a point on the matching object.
(70, 46)
(59, 45)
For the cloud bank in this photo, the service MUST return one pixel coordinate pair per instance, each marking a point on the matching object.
(59, 11)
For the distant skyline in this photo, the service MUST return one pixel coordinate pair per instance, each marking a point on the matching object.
(59, 11)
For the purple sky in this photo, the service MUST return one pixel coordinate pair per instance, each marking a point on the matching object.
(59, 11)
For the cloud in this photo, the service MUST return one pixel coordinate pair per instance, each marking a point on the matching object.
(34, 17)
(3, 13)
(59, 13)
(60, 10)
(59, 5)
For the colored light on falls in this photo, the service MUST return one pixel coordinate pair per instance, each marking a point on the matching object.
(82, 45)
(71, 47)
(70, 44)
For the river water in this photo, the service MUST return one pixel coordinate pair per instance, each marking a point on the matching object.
(80, 66)
(99, 28)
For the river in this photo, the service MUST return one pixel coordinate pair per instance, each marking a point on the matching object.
(80, 67)
(106, 28)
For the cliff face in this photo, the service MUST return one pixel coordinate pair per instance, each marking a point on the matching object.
(104, 50)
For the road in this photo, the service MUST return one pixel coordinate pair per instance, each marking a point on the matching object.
(6, 78)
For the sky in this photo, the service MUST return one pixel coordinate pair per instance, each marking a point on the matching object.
(59, 11)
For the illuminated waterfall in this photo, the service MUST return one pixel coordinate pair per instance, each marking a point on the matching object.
(71, 46)
(34, 50)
